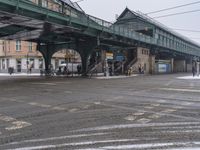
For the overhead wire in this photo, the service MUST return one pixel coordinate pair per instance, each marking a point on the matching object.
(175, 7)
(174, 14)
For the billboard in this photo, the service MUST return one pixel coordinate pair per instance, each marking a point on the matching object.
(162, 68)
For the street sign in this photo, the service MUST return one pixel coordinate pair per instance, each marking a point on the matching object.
(109, 55)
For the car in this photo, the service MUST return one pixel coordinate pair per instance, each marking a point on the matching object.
(67, 68)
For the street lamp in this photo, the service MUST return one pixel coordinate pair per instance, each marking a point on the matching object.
(27, 62)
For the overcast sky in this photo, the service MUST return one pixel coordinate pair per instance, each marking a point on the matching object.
(107, 10)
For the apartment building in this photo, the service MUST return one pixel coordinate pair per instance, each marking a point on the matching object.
(22, 55)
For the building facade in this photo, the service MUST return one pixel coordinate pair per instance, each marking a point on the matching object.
(22, 56)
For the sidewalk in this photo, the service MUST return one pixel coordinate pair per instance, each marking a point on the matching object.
(114, 77)
(19, 74)
(99, 76)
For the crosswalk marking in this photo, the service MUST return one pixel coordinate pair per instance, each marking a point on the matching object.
(14, 124)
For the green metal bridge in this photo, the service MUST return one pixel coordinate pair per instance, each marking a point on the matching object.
(68, 26)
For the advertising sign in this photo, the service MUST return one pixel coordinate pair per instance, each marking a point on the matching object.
(162, 68)
(109, 55)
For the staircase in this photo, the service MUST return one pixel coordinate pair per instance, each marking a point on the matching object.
(120, 67)
(94, 68)
(132, 63)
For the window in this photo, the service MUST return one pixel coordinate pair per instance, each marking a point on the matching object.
(18, 45)
(41, 63)
(30, 47)
(32, 64)
(7, 63)
(3, 64)
(44, 3)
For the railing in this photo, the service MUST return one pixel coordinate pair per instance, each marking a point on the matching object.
(132, 62)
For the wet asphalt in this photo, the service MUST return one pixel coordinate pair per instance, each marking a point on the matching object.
(134, 113)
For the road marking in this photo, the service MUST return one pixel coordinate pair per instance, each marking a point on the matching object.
(97, 103)
(57, 138)
(162, 101)
(187, 103)
(138, 113)
(18, 125)
(58, 108)
(169, 83)
(148, 107)
(127, 126)
(130, 118)
(117, 97)
(40, 105)
(47, 83)
(74, 144)
(143, 120)
(179, 127)
(155, 105)
(168, 110)
(15, 124)
(180, 90)
(154, 116)
(181, 131)
(86, 106)
(150, 111)
(73, 110)
(6, 118)
(149, 146)
(178, 107)
(68, 92)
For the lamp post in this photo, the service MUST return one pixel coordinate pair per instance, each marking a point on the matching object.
(27, 62)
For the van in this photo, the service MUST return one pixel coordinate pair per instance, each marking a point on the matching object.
(71, 68)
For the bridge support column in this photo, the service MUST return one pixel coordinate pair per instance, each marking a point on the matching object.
(179, 65)
(47, 53)
(152, 64)
(172, 65)
(85, 49)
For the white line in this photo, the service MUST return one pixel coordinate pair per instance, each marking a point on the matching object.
(124, 126)
(57, 138)
(189, 148)
(168, 83)
(40, 105)
(72, 144)
(180, 131)
(180, 90)
(149, 146)
(151, 111)
(44, 83)
(181, 128)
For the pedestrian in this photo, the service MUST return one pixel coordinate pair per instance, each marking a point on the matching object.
(10, 70)
(30, 68)
(79, 69)
(193, 71)
(140, 69)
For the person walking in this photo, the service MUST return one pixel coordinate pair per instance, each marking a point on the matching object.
(193, 71)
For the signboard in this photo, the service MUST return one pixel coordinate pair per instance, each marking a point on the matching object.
(119, 58)
(109, 55)
(162, 68)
